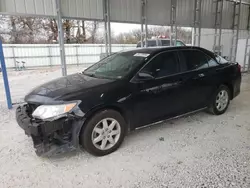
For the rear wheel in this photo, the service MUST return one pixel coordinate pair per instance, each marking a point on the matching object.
(103, 133)
(220, 101)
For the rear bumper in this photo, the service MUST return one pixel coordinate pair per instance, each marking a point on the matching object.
(236, 85)
(50, 138)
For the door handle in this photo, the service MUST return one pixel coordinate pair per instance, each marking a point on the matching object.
(181, 80)
(201, 75)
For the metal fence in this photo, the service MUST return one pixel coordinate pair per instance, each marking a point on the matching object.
(48, 55)
(45, 55)
(242, 57)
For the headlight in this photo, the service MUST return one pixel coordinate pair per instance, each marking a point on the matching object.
(53, 111)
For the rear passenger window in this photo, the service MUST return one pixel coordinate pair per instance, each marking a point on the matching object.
(212, 62)
(162, 65)
(194, 59)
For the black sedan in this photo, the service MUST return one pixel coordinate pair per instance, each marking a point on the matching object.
(96, 108)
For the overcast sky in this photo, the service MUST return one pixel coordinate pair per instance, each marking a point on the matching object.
(121, 27)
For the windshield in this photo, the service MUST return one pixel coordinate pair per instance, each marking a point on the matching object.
(116, 66)
(221, 60)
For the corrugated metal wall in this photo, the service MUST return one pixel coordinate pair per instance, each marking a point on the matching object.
(185, 13)
(34, 7)
(227, 15)
(244, 17)
(207, 14)
(158, 12)
(129, 11)
(207, 40)
(88, 9)
(125, 11)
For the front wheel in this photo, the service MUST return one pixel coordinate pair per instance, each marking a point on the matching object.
(220, 101)
(103, 133)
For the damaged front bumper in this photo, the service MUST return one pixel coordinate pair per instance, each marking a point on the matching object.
(50, 137)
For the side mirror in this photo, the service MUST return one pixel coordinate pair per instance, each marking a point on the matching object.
(145, 76)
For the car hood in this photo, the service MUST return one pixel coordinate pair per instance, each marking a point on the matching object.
(63, 87)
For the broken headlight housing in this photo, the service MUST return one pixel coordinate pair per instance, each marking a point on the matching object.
(53, 112)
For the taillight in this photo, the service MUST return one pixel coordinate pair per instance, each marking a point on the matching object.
(239, 67)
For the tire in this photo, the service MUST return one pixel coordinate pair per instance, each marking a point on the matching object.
(96, 129)
(214, 106)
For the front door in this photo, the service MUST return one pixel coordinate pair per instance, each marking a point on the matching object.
(162, 97)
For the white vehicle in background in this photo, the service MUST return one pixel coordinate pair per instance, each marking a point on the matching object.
(154, 42)
(160, 41)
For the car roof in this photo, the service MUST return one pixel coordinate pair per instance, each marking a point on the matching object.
(155, 50)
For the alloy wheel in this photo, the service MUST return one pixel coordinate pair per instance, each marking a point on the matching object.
(222, 100)
(106, 134)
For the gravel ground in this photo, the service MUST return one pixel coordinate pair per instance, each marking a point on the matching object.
(200, 150)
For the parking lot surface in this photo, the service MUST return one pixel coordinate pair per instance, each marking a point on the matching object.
(200, 150)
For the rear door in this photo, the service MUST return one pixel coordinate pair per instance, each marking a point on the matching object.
(198, 76)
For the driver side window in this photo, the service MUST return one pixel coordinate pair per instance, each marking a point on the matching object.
(164, 64)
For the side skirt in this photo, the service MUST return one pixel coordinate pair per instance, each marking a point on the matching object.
(175, 117)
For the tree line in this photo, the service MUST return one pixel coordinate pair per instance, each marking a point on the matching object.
(30, 30)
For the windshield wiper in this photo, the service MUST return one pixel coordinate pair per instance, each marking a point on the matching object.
(90, 75)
